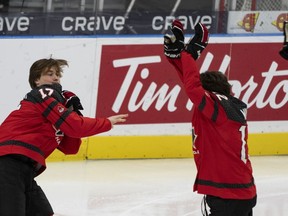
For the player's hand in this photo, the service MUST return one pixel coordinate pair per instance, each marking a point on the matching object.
(174, 42)
(43, 92)
(198, 42)
(118, 118)
(284, 51)
(72, 101)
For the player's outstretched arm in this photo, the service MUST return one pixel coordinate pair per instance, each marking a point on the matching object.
(118, 118)
(284, 51)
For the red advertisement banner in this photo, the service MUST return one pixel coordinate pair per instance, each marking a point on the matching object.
(137, 79)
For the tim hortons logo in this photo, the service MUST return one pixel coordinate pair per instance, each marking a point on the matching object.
(170, 97)
(162, 96)
(143, 90)
(271, 96)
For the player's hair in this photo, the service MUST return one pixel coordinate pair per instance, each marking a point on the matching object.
(41, 66)
(215, 81)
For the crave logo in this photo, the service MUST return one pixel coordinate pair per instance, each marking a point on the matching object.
(9, 24)
(137, 79)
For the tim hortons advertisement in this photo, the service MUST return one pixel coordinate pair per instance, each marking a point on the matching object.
(137, 79)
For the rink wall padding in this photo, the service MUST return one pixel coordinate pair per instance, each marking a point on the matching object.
(145, 147)
(268, 144)
(114, 75)
(81, 155)
(117, 147)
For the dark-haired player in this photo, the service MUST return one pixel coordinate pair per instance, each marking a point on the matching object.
(224, 171)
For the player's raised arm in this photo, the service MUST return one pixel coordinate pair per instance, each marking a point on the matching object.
(284, 51)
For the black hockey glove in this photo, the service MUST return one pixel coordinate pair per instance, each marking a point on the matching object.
(284, 51)
(41, 93)
(72, 101)
(174, 42)
(198, 43)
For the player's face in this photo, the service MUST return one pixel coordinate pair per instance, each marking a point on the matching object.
(50, 76)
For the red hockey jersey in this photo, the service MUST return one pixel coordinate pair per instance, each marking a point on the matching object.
(37, 129)
(219, 138)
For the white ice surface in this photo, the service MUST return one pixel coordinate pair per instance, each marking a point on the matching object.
(150, 187)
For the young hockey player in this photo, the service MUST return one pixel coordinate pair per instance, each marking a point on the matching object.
(47, 118)
(219, 129)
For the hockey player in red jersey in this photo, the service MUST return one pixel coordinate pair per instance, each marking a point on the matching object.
(284, 51)
(47, 118)
(224, 171)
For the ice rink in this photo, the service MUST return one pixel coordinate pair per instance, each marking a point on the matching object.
(150, 187)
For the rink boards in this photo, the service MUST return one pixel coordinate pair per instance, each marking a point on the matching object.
(132, 147)
(115, 75)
